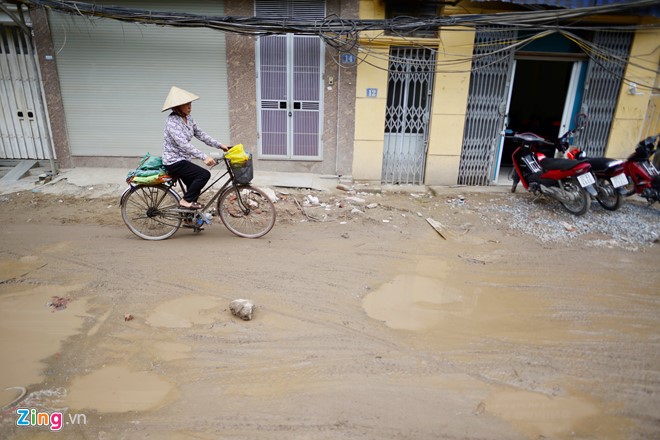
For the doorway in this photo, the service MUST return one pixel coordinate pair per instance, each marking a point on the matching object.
(289, 96)
(538, 101)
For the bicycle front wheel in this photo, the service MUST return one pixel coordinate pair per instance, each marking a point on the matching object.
(246, 211)
(149, 213)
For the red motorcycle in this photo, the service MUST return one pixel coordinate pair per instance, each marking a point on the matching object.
(566, 180)
(610, 177)
(644, 177)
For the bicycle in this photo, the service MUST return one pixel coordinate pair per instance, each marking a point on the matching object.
(152, 212)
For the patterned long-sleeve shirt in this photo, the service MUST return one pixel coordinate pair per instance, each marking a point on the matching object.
(177, 146)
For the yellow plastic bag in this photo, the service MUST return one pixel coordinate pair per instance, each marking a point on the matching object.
(237, 155)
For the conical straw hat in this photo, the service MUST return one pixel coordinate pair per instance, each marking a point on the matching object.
(177, 97)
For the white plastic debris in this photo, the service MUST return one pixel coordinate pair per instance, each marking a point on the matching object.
(242, 308)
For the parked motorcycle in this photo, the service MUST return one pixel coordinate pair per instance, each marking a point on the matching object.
(644, 177)
(610, 175)
(566, 180)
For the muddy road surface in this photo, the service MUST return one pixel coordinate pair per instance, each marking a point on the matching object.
(518, 322)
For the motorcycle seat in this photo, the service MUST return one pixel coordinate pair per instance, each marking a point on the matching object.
(556, 163)
(602, 163)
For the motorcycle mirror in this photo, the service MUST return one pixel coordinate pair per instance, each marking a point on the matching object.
(581, 121)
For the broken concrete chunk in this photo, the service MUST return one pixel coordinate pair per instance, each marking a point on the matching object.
(270, 194)
(242, 308)
(356, 200)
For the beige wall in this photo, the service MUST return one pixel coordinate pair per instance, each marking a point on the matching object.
(370, 115)
(449, 101)
(632, 110)
(450, 93)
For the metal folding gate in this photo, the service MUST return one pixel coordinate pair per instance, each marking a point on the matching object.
(409, 91)
(24, 131)
(490, 82)
(486, 108)
(601, 89)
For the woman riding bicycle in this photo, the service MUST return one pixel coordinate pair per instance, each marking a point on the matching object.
(178, 151)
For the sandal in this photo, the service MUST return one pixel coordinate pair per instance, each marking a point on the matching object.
(193, 205)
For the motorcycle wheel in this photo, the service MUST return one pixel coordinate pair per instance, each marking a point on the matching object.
(608, 197)
(516, 179)
(582, 201)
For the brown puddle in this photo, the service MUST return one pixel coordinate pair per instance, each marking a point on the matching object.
(117, 389)
(413, 302)
(457, 309)
(541, 416)
(184, 312)
(31, 331)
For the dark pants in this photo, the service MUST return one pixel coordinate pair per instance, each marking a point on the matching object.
(193, 176)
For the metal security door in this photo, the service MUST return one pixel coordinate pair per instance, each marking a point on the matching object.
(490, 81)
(409, 91)
(601, 89)
(290, 96)
(24, 132)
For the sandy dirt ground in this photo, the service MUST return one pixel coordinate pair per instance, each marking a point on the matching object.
(368, 325)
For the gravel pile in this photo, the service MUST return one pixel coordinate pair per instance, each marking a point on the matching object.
(632, 226)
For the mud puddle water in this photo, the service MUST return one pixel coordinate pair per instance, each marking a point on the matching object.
(450, 308)
(540, 416)
(30, 331)
(456, 307)
(184, 312)
(117, 389)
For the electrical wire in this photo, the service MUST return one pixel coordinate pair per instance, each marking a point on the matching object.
(351, 36)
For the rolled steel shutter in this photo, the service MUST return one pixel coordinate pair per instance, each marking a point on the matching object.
(114, 77)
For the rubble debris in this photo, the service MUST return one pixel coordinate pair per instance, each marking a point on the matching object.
(58, 303)
(567, 226)
(312, 200)
(439, 227)
(242, 308)
(270, 193)
(356, 200)
(343, 187)
(310, 217)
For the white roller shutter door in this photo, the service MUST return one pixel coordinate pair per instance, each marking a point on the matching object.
(115, 76)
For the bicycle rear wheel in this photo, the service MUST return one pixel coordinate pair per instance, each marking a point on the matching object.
(246, 211)
(148, 211)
